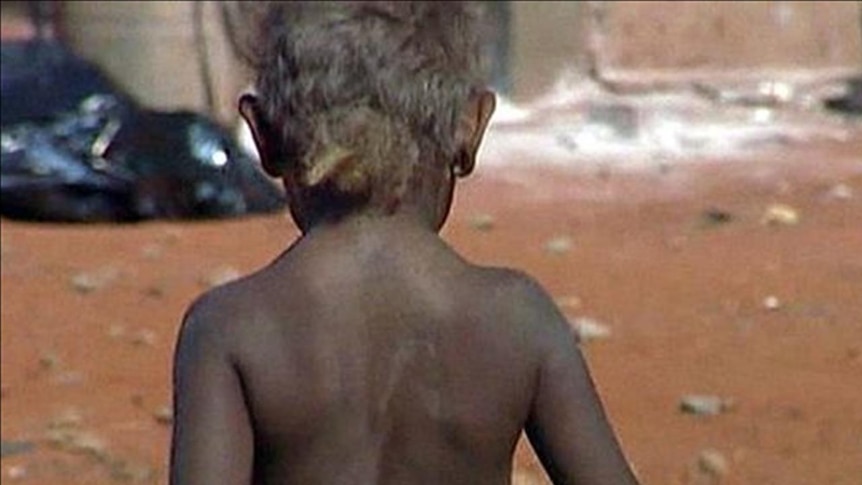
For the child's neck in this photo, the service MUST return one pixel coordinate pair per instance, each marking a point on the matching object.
(399, 224)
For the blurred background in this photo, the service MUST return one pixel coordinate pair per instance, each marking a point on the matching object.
(683, 177)
(153, 49)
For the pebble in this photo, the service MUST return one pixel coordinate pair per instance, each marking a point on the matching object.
(780, 215)
(69, 418)
(154, 291)
(145, 338)
(78, 441)
(49, 361)
(713, 463)
(152, 251)
(89, 443)
(482, 222)
(772, 303)
(588, 329)
(116, 331)
(559, 245)
(88, 282)
(16, 472)
(841, 192)
(69, 378)
(704, 405)
(570, 302)
(715, 216)
(123, 471)
(164, 415)
(221, 276)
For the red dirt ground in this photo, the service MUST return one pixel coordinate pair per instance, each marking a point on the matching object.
(85, 371)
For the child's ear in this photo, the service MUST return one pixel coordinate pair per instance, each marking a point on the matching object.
(265, 137)
(474, 124)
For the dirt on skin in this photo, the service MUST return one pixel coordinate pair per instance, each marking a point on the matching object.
(701, 293)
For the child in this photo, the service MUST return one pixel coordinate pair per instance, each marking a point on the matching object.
(370, 352)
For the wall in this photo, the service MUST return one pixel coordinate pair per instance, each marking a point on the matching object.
(640, 41)
(149, 46)
(149, 49)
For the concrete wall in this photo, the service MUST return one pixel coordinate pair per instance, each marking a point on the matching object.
(149, 46)
(674, 35)
(639, 41)
(546, 38)
(149, 49)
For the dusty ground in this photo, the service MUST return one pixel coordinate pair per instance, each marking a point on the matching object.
(89, 315)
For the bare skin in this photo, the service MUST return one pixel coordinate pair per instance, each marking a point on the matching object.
(371, 353)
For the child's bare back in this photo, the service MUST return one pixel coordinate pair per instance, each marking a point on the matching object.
(371, 353)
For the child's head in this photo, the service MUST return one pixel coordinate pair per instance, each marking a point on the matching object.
(368, 105)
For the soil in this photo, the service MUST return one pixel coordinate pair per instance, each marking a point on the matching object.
(701, 295)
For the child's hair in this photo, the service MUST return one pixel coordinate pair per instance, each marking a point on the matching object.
(362, 93)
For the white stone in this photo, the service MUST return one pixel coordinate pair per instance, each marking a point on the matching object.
(559, 244)
(589, 329)
(712, 462)
(780, 215)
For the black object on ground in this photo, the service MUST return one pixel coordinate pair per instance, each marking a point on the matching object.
(11, 448)
(851, 102)
(76, 149)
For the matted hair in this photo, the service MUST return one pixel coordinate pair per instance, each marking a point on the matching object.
(361, 93)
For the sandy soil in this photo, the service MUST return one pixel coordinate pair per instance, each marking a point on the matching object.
(768, 316)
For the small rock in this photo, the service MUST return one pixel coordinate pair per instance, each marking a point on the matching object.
(69, 378)
(49, 361)
(164, 415)
(221, 276)
(559, 245)
(713, 463)
(116, 331)
(715, 216)
(11, 448)
(840, 192)
(780, 215)
(84, 283)
(154, 291)
(123, 471)
(152, 251)
(704, 405)
(588, 329)
(69, 418)
(88, 443)
(144, 338)
(482, 222)
(78, 441)
(16, 472)
(771, 303)
(88, 282)
(570, 302)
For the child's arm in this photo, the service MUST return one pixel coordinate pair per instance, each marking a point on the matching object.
(212, 440)
(567, 425)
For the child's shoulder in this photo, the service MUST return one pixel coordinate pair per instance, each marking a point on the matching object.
(511, 284)
(522, 299)
(216, 310)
